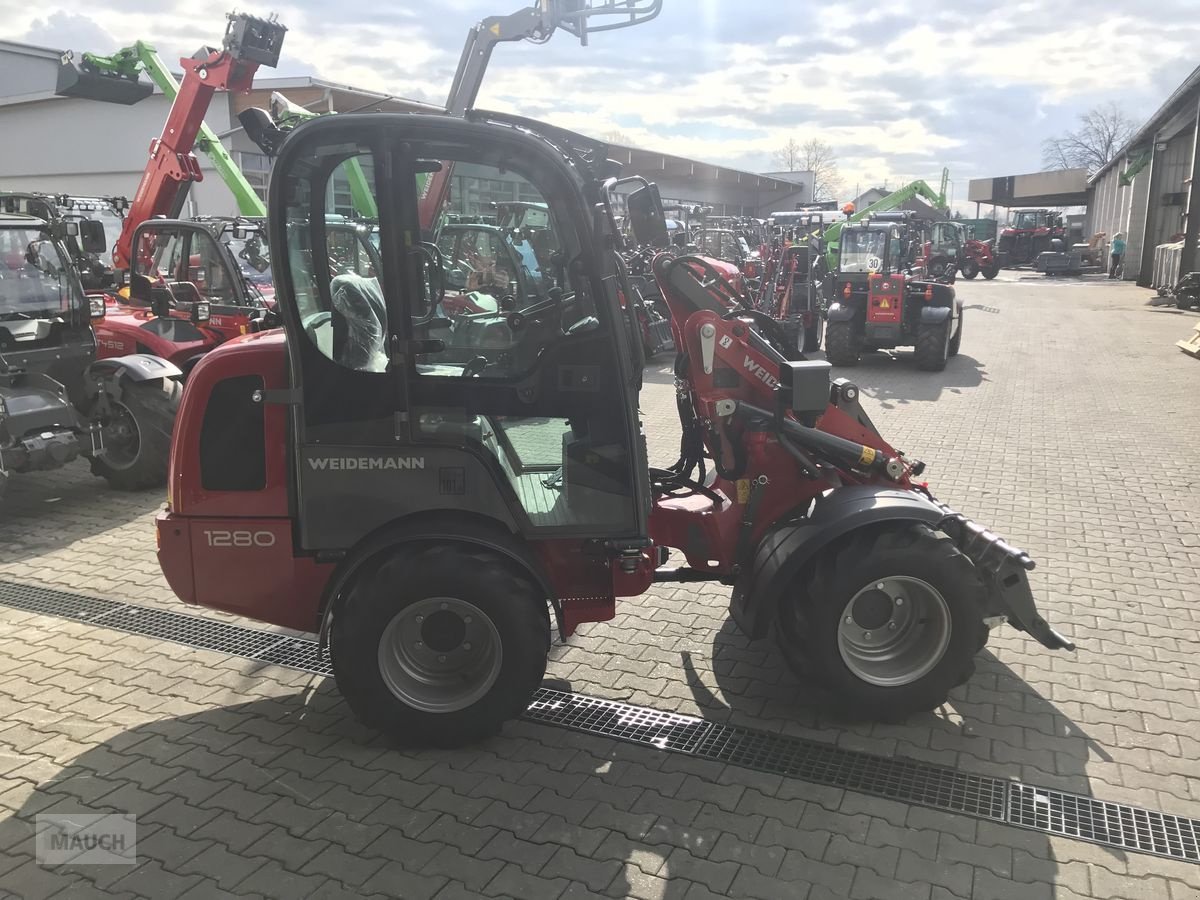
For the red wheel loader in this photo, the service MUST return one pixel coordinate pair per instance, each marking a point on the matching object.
(436, 494)
(416, 487)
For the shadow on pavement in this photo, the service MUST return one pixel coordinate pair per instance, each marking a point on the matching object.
(893, 379)
(277, 796)
(44, 511)
(995, 723)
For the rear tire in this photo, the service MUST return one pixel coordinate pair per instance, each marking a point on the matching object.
(841, 344)
(990, 272)
(440, 644)
(915, 655)
(137, 434)
(956, 341)
(933, 346)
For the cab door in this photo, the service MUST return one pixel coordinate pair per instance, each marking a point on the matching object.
(525, 417)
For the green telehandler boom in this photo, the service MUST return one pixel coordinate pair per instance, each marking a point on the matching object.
(126, 64)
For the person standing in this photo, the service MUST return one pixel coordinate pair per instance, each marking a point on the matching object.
(1118, 254)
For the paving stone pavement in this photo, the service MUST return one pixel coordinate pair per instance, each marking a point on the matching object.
(1066, 423)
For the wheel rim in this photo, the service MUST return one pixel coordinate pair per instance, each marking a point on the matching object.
(440, 654)
(122, 437)
(894, 631)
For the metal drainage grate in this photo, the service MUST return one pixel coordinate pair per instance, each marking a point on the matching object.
(180, 628)
(1025, 806)
(897, 779)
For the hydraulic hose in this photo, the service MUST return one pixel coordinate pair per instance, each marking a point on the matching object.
(848, 453)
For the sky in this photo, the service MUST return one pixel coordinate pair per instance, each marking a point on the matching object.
(898, 88)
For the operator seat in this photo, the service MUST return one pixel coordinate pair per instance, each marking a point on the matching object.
(359, 323)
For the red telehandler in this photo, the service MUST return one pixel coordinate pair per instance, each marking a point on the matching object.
(431, 493)
(191, 280)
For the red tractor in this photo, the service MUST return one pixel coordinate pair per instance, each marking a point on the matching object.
(891, 289)
(436, 496)
(1028, 235)
(976, 258)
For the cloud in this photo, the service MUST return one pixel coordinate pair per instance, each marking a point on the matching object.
(898, 88)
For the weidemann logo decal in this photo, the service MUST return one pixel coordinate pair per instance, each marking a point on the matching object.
(365, 463)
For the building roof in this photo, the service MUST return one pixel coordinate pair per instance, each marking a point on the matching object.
(1174, 104)
(29, 50)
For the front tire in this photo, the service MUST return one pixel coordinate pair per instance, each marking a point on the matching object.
(956, 341)
(841, 344)
(889, 624)
(970, 269)
(933, 345)
(440, 644)
(137, 434)
(990, 272)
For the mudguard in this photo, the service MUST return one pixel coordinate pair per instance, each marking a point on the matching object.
(934, 315)
(443, 527)
(841, 312)
(135, 367)
(785, 550)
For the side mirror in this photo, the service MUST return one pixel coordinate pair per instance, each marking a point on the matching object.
(433, 270)
(647, 220)
(91, 236)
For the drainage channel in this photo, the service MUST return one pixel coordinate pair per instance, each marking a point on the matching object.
(1002, 800)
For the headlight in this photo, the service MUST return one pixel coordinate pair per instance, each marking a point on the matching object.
(96, 306)
(200, 311)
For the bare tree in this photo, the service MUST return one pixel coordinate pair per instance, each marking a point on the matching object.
(815, 156)
(1103, 130)
(818, 157)
(788, 156)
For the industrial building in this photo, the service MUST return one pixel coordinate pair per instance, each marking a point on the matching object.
(83, 164)
(1147, 190)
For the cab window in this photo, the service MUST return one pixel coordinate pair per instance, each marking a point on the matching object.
(336, 277)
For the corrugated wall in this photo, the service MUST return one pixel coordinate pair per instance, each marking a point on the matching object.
(1175, 162)
(1120, 208)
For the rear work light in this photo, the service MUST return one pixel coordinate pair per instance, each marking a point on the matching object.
(96, 306)
(200, 311)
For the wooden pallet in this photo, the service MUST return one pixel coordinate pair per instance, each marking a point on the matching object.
(1191, 345)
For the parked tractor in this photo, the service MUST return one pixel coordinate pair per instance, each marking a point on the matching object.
(58, 402)
(976, 257)
(885, 296)
(1029, 234)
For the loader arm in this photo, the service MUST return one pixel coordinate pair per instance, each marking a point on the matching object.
(536, 23)
(172, 168)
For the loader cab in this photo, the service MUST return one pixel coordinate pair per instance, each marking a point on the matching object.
(181, 270)
(406, 402)
(45, 317)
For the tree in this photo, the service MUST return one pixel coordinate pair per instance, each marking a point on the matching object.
(1103, 131)
(787, 157)
(815, 156)
(818, 157)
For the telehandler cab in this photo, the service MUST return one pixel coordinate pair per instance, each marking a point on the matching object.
(424, 509)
